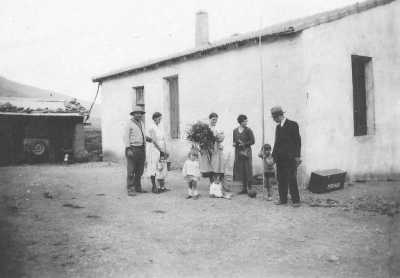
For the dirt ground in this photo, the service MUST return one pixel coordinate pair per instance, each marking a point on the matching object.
(77, 221)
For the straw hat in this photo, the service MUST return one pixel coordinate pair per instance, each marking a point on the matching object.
(137, 109)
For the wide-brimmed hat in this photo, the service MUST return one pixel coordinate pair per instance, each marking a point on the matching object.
(137, 109)
(277, 110)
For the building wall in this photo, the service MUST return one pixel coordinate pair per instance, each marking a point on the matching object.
(327, 56)
(308, 74)
(227, 83)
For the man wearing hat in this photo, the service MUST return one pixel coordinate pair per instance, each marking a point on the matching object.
(135, 142)
(286, 153)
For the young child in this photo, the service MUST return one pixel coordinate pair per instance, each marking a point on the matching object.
(191, 173)
(269, 169)
(161, 172)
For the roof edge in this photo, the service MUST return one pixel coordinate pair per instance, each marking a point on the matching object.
(275, 31)
(191, 53)
(75, 115)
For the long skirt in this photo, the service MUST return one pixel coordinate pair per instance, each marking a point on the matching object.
(152, 158)
(214, 164)
(243, 168)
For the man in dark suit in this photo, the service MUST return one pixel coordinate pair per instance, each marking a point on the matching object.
(286, 153)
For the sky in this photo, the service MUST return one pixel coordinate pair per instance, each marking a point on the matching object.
(61, 44)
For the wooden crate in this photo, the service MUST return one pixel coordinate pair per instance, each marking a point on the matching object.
(326, 180)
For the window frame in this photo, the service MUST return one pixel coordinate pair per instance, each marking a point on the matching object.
(139, 91)
(363, 95)
(174, 112)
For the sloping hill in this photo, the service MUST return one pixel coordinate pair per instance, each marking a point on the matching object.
(9, 88)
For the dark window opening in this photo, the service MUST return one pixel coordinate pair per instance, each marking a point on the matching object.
(174, 106)
(139, 95)
(362, 95)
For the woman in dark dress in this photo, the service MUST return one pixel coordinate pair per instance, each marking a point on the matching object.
(243, 139)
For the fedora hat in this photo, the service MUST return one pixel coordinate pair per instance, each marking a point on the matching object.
(137, 109)
(277, 110)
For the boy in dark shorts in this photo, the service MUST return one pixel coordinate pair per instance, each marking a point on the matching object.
(269, 168)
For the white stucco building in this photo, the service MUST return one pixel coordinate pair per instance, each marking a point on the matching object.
(336, 73)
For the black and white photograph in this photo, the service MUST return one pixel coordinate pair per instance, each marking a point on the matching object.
(200, 138)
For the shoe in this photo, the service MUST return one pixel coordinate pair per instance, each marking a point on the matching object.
(188, 197)
(278, 203)
(269, 198)
(227, 196)
(163, 189)
(296, 205)
(131, 193)
(196, 197)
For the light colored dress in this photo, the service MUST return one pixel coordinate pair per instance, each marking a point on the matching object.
(216, 164)
(191, 170)
(156, 132)
(162, 170)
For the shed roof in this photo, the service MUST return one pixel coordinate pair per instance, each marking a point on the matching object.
(42, 114)
(35, 103)
(275, 31)
(39, 107)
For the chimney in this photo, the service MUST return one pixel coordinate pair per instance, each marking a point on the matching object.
(201, 35)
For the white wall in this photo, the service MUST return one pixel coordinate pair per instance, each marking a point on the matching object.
(327, 55)
(227, 83)
(308, 74)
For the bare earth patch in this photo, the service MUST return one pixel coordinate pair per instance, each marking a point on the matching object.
(77, 221)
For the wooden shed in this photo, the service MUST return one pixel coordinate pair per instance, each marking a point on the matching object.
(40, 136)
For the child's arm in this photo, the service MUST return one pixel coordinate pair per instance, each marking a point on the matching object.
(198, 173)
(184, 171)
(261, 154)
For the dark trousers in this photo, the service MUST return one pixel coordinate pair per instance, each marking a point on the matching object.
(287, 179)
(135, 158)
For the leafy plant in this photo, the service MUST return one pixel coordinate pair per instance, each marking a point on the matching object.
(201, 135)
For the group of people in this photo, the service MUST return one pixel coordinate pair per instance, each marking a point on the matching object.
(279, 162)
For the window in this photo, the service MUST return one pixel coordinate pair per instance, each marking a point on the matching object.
(173, 106)
(363, 102)
(139, 91)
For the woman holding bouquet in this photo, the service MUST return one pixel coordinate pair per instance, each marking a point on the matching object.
(212, 161)
(243, 139)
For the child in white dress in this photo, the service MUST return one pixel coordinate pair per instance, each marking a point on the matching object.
(191, 174)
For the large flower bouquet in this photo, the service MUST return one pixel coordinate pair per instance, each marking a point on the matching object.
(201, 135)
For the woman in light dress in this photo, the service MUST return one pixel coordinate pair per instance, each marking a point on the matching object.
(157, 148)
(213, 167)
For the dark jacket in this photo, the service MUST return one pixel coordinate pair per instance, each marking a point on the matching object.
(246, 137)
(287, 141)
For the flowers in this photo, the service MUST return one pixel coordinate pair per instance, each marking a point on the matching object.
(220, 136)
(201, 135)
